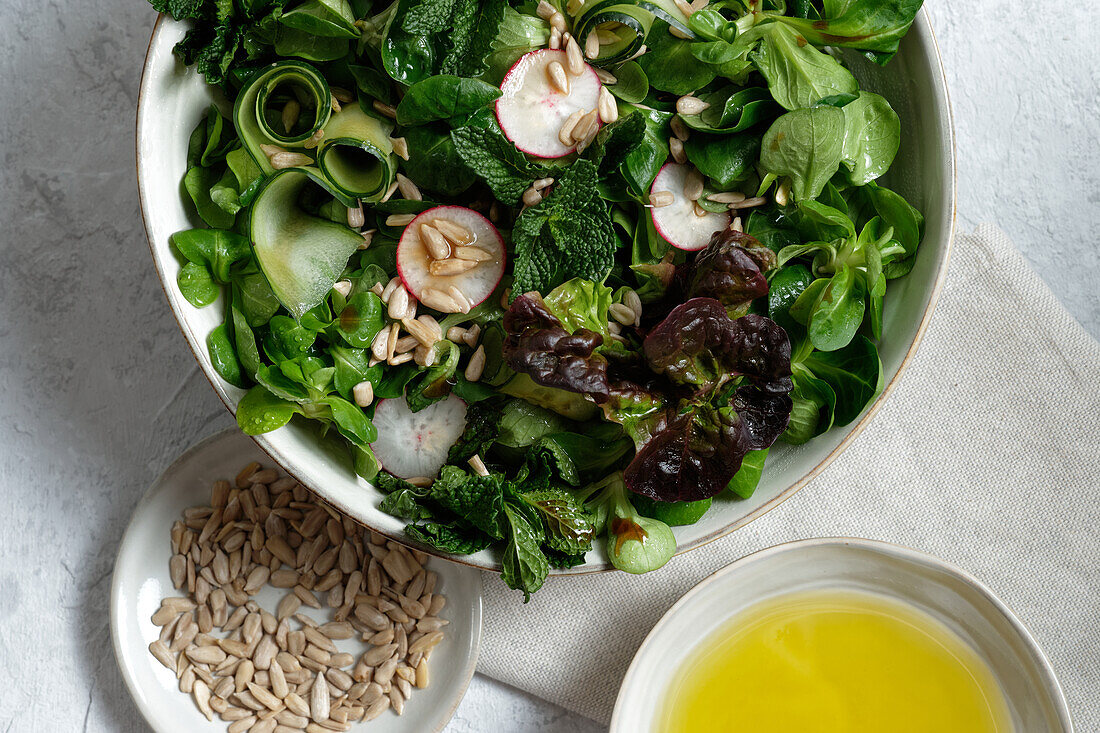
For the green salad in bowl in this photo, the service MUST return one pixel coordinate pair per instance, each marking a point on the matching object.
(556, 275)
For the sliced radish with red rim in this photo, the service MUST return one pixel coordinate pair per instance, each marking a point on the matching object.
(531, 109)
(473, 265)
(677, 222)
(412, 444)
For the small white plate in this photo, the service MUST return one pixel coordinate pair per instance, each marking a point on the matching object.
(941, 590)
(141, 580)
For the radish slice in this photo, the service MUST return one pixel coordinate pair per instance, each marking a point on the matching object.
(414, 259)
(412, 444)
(677, 222)
(531, 111)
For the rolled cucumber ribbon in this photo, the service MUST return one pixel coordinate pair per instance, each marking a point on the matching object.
(356, 154)
(628, 21)
(258, 112)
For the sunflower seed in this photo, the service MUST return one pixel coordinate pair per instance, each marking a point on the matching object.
(243, 674)
(385, 672)
(376, 708)
(609, 109)
(265, 652)
(557, 22)
(401, 147)
(435, 242)
(384, 109)
(438, 300)
(288, 606)
(559, 81)
(295, 704)
(408, 189)
(727, 197)
(531, 197)
(399, 302)
(750, 203)
(399, 220)
(160, 650)
(565, 132)
(545, 10)
(783, 193)
(621, 313)
(319, 704)
(453, 266)
(592, 45)
(279, 161)
(606, 77)
(264, 697)
(658, 199)
(426, 642)
(587, 123)
(243, 724)
(676, 148)
(177, 570)
(689, 105)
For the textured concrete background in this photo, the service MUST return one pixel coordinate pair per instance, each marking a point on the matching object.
(98, 391)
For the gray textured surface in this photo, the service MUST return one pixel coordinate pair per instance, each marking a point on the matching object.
(98, 391)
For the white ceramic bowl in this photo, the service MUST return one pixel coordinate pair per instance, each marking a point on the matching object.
(141, 580)
(172, 100)
(941, 590)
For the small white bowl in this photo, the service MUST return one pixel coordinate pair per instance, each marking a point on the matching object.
(941, 590)
(141, 580)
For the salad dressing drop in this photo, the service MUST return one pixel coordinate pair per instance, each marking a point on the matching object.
(834, 662)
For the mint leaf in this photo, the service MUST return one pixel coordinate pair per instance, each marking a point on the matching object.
(568, 235)
(524, 567)
(496, 161)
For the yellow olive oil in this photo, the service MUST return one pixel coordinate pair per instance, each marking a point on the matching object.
(834, 661)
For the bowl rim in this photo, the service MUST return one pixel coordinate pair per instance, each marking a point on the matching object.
(892, 549)
(197, 345)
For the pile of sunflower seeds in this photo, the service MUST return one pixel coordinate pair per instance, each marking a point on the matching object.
(282, 672)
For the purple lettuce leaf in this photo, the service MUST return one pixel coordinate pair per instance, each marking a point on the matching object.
(538, 345)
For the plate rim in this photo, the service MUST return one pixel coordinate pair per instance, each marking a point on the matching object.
(922, 24)
(892, 549)
(135, 686)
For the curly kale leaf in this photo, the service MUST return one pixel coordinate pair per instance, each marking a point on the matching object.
(569, 234)
(181, 9)
(217, 42)
(476, 23)
(429, 16)
(477, 501)
(466, 27)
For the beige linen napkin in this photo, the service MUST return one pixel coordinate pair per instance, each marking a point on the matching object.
(986, 455)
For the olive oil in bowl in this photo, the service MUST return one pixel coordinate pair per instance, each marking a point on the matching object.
(834, 661)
